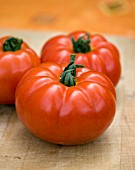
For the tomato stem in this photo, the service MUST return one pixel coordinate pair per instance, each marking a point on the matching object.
(82, 45)
(68, 76)
(12, 44)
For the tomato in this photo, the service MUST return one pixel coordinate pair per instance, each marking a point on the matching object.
(65, 105)
(91, 50)
(16, 57)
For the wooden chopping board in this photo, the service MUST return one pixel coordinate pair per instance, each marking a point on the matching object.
(114, 150)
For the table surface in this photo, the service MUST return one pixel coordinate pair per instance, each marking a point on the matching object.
(114, 150)
(105, 16)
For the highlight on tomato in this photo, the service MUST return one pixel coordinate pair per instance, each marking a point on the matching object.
(65, 104)
(92, 50)
(16, 57)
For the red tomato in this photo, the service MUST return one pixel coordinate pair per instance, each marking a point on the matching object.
(70, 114)
(16, 57)
(91, 50)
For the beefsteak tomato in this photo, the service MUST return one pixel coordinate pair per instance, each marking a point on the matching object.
(91, 50)
(16, 57)
(65, 105)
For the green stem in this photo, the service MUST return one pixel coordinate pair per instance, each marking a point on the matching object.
(82, 45)
(12, 44)
(68, 76)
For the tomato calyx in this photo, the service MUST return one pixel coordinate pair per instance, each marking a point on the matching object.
(68, 76)
(12, 44)
(82, 45)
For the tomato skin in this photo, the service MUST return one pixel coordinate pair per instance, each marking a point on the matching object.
(13, 65)
(65, 115)
(104, 56)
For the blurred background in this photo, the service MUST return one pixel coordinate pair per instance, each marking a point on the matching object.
(105, 16)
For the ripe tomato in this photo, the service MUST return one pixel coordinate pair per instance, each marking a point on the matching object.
(91, 50)
(16, 57)
(67, 107)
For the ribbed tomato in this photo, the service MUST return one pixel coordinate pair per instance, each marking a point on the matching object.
(65, 105)
(16, 57)
(92, 50)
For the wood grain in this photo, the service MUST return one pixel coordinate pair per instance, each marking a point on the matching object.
(106, 16)
(114, 150)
